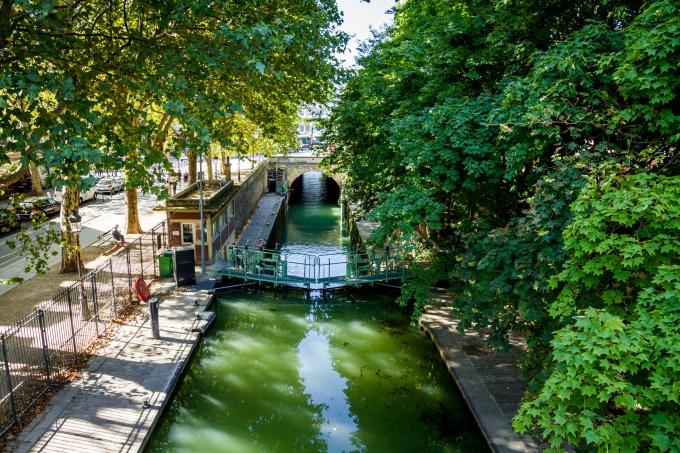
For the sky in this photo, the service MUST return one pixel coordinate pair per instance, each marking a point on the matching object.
(358, 17)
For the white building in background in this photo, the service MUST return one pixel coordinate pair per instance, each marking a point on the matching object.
(309, 131)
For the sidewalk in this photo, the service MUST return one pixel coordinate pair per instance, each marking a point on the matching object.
(489, 381)
(19, 300)
(104, 410)
(98, 219)
(261, 222)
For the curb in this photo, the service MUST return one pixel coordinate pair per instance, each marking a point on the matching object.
(493, 424)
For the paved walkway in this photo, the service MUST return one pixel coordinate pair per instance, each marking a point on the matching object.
(98, 218)
(262, 221)
(489, 381)
(103, 411)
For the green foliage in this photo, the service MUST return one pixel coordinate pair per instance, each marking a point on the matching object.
(648, 75)
(624, 228)
(101, 83)
(615, 384)
(510, 264)
(614, 378)
(528, 153)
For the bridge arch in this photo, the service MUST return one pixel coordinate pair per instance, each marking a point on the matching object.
(294, 167)
(297, 172)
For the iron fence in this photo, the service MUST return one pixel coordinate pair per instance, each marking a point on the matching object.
(39, 350)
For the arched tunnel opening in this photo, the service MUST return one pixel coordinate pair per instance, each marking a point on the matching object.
(314, 187)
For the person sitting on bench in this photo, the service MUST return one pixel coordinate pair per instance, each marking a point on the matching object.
(117, 236)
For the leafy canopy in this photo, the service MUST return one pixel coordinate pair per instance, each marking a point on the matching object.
(528, 152)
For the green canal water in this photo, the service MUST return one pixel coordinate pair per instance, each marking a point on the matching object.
(289, 372)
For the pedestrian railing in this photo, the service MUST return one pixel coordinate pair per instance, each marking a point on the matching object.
(297, 269)
(40, 350)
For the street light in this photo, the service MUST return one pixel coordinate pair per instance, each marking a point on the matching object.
(201, 215)
(75, 221)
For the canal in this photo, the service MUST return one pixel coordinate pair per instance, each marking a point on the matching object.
(285, 372)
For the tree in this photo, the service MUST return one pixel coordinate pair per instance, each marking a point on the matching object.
(100, 84)
(492, 115)
(614, 380)
(47, 113)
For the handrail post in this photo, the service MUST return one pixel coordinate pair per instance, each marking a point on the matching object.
(141, 257)
(129, 272)
(113, 290)
(45, 346)
(73, 328)
(8, 376)
(153, 252)
(95, 302)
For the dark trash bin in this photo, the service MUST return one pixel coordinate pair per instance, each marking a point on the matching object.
(185, 265)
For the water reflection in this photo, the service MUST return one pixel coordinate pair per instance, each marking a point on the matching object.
(313, 221)
(326, 389)
(281, 372)
(342, 375)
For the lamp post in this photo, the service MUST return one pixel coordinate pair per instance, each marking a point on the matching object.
(201, 215)
(75, 221)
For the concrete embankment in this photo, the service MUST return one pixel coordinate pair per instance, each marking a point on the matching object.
(360, 230)
(489, 381)
(261, 223)
(120, 397)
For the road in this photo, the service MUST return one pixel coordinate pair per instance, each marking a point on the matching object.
(102, 214)
(98, 218)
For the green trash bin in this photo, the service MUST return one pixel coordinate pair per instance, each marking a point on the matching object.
(165, 264)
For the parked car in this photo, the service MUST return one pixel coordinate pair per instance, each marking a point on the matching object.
(9, 221)
(109, 185)
(31, 206)
(120, 180)
(87, 195)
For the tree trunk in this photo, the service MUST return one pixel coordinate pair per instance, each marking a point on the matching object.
(70, 246)
(132, 212)
(209, 161)
(36, 184)
(5, 21)
(226, 167)
(192, 167)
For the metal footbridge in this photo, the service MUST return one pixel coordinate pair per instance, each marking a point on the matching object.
(311, 271)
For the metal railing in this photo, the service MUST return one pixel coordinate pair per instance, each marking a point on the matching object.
(39, 350)
(301, 269)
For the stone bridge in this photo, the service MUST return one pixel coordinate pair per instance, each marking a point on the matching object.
(294, 166)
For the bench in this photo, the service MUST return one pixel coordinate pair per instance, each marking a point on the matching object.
(106, 244)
